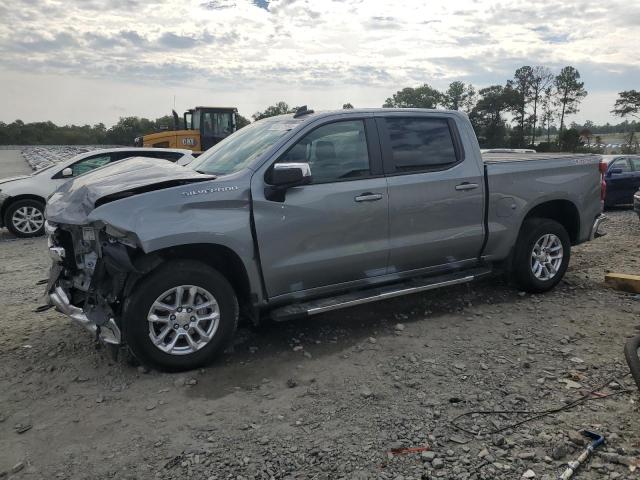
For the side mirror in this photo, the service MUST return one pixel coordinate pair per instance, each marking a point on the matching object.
(615, 171)
(67, 172)
(285, 175)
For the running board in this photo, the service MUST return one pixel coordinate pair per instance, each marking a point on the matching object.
(374, 294)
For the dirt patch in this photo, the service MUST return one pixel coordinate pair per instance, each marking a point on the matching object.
(365, 381)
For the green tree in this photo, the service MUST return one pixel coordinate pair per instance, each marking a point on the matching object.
(628, 103)
(128, 128)
(570, 140)
(419, 97)
(541, 79)
(569, 92)
(459, 96)
(518, 92)
(487, 116)
(547, 111)
(241, 121)
(279, 108)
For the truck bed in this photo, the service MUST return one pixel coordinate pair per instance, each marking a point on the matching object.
(516, 182)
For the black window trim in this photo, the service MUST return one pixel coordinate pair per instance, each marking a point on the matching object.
(387, 154)
(373, 148)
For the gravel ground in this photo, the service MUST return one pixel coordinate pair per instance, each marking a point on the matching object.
(333, 397)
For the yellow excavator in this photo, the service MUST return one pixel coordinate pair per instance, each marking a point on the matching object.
(203, 128)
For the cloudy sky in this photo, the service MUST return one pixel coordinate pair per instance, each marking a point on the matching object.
(88, 61)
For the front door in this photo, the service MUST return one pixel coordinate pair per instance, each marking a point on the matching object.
(635, 163)
(335, 230)
(436, 203)
(620, 182)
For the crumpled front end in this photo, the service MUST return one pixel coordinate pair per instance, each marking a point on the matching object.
(89, 270)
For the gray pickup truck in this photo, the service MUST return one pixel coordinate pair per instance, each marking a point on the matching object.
(300, 214)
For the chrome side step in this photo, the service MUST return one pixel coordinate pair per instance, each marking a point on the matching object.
(375, 294)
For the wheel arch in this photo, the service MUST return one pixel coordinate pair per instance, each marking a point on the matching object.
(221, 258)
(563, 211)
(13, 199)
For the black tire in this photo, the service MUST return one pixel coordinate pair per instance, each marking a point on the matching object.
(135, 326)
(532, 230)
(21, 204)
(632, 355)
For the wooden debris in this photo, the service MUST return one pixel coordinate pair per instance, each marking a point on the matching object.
(624, 282)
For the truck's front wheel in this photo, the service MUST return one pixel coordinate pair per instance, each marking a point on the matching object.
(180, 316)
(541, 255)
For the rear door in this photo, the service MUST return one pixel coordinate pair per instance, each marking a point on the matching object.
(335, 230)
(436, 202)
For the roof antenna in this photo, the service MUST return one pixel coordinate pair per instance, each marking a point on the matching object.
(303, 110)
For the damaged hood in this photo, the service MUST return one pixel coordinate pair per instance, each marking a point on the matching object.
(77, 198)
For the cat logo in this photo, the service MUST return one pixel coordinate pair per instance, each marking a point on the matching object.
(189, 142)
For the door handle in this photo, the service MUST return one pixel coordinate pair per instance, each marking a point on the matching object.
(368, 197)
(466, 186)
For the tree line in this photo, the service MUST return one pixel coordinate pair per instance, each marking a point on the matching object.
(528, 110)
(510, 115)
(122, 133)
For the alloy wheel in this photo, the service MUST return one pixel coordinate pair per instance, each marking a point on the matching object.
(27, 220)
(546, 257)
(183, 319)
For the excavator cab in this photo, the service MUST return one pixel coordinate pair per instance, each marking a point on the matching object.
(213, 123)
(203, 128)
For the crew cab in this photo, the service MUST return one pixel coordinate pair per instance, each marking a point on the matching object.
(299, 214)
(22, 199)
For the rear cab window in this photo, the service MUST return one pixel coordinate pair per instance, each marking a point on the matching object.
(419, 144)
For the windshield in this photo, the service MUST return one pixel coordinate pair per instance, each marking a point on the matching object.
(238, 150)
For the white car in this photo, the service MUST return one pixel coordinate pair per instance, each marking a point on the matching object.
(22, 199)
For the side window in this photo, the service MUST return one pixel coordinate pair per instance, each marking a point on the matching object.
(622, 163)
(337, 151)
(88, 164)
(636, 163)
(419, 144)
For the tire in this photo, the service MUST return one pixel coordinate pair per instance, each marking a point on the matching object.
(139, 332)
(632, 355)
(540, 277)
(25, 218)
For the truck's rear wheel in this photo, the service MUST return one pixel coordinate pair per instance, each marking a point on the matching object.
(542, 255)
(181, 316)
(25, 218)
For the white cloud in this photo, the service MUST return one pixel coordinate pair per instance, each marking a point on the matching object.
(326, 49)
